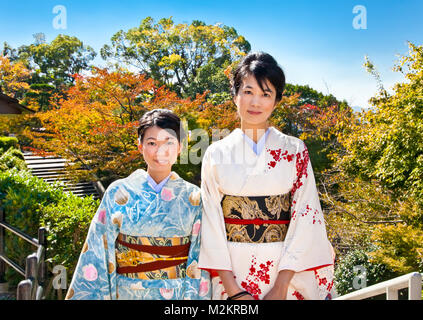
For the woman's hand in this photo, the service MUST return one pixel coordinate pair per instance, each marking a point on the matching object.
(280, 288)
(230, 285)
(276, 294)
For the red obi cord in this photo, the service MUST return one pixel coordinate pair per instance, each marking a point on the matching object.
(319, 267)
(255, 221)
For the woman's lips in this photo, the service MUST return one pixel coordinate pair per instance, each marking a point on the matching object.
(162, 161)
(254, 113)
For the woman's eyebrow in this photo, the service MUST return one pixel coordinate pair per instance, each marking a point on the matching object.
(166, 138)
(250, 87)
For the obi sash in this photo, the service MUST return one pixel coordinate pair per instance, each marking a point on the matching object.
(257, 219)
(151, 257)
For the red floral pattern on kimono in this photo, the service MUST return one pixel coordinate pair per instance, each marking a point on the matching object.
(302, 159)
(256, 275)
(278, 156)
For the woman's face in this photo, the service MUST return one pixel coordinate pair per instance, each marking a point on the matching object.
(160, 149)
(254, 105)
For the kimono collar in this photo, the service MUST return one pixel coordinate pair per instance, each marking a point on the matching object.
(157, 187)
(259, 146)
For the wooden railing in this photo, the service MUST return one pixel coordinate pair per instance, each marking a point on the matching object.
(412, 281)
(35, 270)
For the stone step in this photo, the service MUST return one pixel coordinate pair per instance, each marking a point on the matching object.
(52, 169)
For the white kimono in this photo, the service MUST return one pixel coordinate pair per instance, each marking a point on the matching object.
(231, 167)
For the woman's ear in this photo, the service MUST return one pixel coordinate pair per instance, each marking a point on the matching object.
(234, 101)
(139, 145)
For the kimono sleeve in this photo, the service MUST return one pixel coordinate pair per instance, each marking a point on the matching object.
(306, 246)
(214, 253)
(94, 277)
(197, 281)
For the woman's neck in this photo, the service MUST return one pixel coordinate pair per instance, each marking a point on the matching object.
(254, 132)
(158, 176)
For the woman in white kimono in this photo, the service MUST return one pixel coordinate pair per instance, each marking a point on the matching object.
(263, 230)
(144, 240)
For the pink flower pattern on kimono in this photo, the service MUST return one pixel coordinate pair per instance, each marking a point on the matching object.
(204, 288)
(102, 216)
(90, 272)
(166, 293)
(196, 228)
(167, 194)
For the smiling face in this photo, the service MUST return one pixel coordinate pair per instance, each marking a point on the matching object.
(255, 105)
(160, 150)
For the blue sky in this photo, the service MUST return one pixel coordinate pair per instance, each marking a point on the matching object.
(314, 41)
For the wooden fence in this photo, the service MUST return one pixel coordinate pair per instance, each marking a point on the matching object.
(35, 273)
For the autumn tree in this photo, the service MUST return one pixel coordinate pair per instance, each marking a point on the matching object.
(94, 127)
(14, 77)
(189, 59)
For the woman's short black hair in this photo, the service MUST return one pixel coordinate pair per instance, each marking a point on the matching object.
(163, 118)
(263, 67)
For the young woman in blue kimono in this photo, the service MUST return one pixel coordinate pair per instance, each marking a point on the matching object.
(263, 230)
(144, 240)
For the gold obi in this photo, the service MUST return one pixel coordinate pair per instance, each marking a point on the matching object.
(152, 257)
(257, 219)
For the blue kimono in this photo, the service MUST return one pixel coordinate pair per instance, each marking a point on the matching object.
(143, 244)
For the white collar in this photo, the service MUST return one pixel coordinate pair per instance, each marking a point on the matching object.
(157, 187)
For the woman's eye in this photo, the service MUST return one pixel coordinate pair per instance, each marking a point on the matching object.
(247, 92)
(151, 143)
(170, 143)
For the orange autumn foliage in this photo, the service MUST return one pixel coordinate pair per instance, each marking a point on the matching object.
(95, 125)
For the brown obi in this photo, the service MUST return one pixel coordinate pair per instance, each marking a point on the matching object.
(256, 219)
(152, 257)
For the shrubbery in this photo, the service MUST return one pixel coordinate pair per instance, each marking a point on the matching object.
(12, 158)
(7, 142)
(67, 222)
(345, 272)
(23, 197)
(29, 203)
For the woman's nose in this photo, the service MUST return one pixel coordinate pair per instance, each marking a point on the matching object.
(163, 150)
(255, 101)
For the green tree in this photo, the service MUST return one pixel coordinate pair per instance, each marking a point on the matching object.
(52, 65)
(388, 143)
(308, 95)
(189, 59)
(383, 154)
(56, 62)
